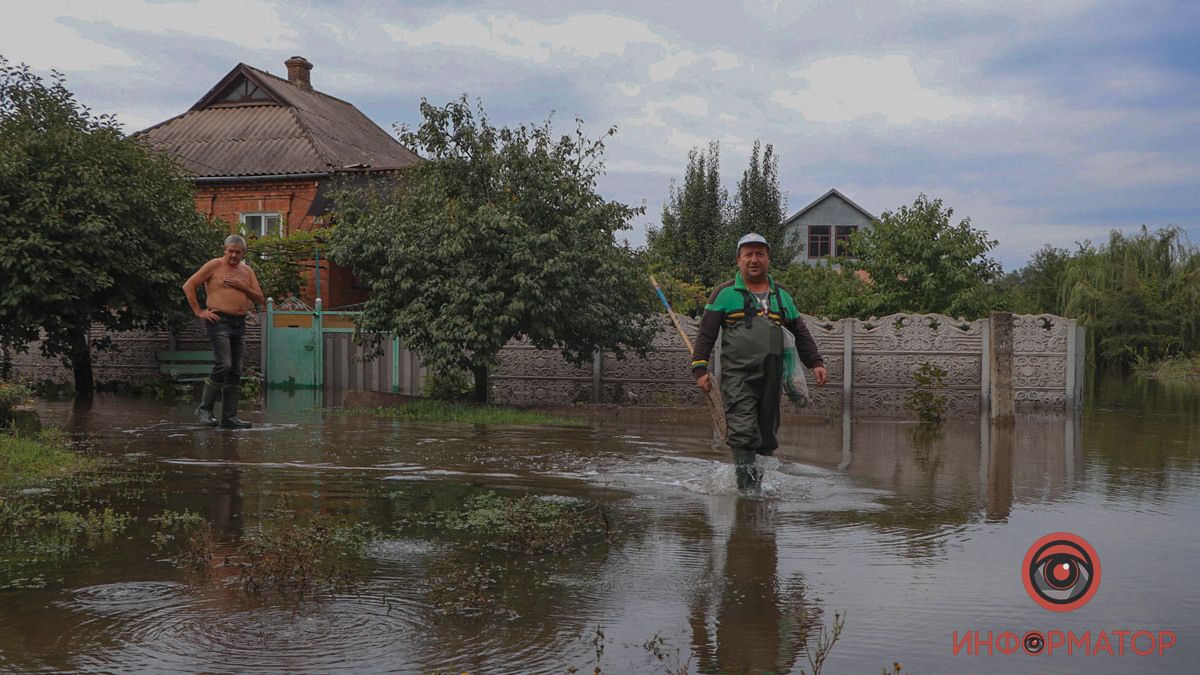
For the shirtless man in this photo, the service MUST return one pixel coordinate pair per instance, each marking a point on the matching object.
(230, 287)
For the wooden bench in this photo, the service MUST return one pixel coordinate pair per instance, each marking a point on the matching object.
(185, 366)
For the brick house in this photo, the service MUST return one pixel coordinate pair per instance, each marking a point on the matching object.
(263, 152)
(825, 226)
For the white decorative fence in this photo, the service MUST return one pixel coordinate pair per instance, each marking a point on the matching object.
(871, 364)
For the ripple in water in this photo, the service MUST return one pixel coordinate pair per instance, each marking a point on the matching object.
(166, 627)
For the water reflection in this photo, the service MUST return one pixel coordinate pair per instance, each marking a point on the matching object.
(913, 531)
(743, 618)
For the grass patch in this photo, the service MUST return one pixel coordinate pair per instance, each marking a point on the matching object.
(41, 461)
(1177, 367)
(509, 538)
(467, 413)
(300, 555)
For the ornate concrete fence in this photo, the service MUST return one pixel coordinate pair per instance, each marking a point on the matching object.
(871, 365)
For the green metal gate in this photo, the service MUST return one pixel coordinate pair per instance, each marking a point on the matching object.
(312, 349)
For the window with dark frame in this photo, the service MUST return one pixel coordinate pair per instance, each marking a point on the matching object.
(842, 240)
(819, 241)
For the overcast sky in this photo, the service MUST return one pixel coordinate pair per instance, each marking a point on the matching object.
(1047, 121)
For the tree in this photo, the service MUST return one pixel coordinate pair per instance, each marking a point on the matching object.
(1138, 295)
(760, 206)
(501, 234)
(920, 262)
(94, 227)
(696, 242)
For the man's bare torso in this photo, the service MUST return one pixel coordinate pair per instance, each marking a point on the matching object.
(223, 298)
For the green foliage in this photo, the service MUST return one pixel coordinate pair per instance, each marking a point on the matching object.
(500, 234)
(292, 553)
(760, 206)
(41, 461)
(11, 395)
(924, 399)
(695, 243)
(449, 385)
(700, 225)
(94, 227)
(1036, 288)
(526, 524)
(1178, 367)
(164, 389)
(1138, 296)
(920, 262)
(467, 413)
(280, 262)
(826, 291)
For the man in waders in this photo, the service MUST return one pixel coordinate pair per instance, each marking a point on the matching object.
(751, 312)
(230, 287)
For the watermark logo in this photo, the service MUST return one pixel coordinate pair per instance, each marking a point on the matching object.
(1061, 572)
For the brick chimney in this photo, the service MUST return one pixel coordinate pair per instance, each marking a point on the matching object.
(298, 68)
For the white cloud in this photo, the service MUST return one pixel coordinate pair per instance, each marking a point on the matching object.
(585, 35)
(671, 64)
(723, 60)
(689, 105)
(1126, 169)
(848, 88)
(56, 34)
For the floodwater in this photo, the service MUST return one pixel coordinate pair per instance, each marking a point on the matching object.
(913, 537)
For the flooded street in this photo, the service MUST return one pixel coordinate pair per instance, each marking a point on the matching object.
(910, 535)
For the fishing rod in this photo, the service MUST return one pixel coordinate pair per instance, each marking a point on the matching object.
(716, 406)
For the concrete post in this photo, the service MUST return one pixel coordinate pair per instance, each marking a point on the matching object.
(597, 373)
(848, 366)
(1000, 365)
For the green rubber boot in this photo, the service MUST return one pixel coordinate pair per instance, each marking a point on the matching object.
(229, 405)
(749, 476)
(204, 412)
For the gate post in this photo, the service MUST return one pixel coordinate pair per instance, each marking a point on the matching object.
(319, 347)
(265, 342)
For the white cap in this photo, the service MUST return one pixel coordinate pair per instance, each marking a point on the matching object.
(752, 238)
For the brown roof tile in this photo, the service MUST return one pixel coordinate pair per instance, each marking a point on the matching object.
(297, 131)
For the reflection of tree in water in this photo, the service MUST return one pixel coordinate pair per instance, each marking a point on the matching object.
(745, 619)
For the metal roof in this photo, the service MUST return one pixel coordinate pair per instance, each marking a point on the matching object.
(833, 192)
(296, 131)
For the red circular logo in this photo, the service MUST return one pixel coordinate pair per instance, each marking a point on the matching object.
(1061, 572)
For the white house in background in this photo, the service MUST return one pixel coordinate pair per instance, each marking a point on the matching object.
(825, 226)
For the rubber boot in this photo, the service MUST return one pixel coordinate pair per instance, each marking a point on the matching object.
(749, 476)
(204, 412)
(229, 405)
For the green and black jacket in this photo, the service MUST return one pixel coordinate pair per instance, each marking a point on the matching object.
(732, 303)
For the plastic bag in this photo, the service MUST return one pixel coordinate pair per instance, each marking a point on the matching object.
(795, 384)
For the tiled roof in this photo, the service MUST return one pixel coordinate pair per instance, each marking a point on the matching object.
(296, 131)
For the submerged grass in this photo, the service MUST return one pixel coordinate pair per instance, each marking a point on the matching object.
(294, 554)
(41, 461)
(468, 413)
(1178, 367)
(525, 531)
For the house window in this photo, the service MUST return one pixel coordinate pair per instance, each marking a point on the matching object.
(263, 224)
(819, 241)
(842, 239)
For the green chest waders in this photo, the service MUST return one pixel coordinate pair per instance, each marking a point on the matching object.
(751, 383)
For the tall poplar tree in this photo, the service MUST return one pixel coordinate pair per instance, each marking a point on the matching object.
(695, 242)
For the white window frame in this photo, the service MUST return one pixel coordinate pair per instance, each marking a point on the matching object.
(263, 215)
